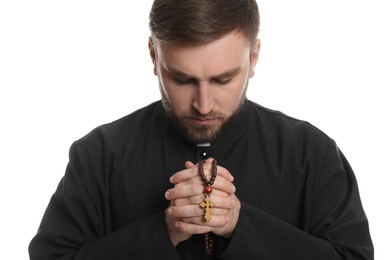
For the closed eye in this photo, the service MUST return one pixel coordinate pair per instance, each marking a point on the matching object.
(185, 81)
(222, 81)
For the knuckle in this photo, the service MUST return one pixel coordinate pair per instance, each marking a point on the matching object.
(172, 193)
(174, 211)
(179, 202)
(196, 199)
(180, 226)
(198, 211)
(178, 212)
(199, 230)
(220, 221)
(224, 220)
(232, 188)
(196, 189)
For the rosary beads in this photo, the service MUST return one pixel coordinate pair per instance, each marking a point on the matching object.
(207, 204)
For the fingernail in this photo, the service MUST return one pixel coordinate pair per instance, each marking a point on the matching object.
(170, 211)
(232, 203)
(171, 179)
(167, 195)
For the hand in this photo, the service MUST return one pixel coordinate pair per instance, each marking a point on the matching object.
(185, 217)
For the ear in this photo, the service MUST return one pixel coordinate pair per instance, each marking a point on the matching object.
(255, 51)
(153, 54)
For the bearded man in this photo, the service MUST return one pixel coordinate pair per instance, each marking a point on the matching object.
(205, 173)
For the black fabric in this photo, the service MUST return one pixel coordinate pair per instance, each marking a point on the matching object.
(298, 193)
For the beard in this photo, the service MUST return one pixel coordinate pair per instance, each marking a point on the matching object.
(197, 133)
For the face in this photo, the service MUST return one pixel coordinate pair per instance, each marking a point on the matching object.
(203, 86)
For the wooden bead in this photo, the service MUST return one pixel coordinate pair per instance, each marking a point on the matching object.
(208, 189)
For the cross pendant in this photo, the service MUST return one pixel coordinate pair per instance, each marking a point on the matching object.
(207, 204)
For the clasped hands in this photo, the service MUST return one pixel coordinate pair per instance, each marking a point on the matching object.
(184, 217)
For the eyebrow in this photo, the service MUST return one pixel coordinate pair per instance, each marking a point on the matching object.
(181, 74)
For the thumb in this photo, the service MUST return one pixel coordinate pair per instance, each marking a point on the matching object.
(188, 164)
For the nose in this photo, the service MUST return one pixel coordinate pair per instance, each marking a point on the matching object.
(203, 100)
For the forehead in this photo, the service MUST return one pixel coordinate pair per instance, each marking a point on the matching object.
(231, 51)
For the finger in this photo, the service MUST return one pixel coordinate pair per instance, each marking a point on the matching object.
(220, 202)
(192, 170)
(188, 164)
(193, 229)
(184, 174)
(184, 191)
(193, 211)
(198, 224)
(186, 211)
(223, 172)
(224, 203)
(221, 184)
(215, 221)
(193, 200)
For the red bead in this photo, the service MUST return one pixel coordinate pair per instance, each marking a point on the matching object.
(208, 189)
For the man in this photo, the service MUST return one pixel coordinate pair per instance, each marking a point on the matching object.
(205, 173)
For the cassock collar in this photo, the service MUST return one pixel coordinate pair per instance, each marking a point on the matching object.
(228, 137)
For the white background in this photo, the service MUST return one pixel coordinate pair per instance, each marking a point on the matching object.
(69, 66)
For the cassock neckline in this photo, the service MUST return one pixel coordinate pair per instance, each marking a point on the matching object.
(225, 139)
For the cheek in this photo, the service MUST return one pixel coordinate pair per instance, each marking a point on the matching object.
(178, 97)
(232, 97)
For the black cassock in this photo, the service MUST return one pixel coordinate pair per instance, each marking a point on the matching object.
(299, 195)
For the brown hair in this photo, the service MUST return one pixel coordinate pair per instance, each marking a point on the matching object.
(203, 21)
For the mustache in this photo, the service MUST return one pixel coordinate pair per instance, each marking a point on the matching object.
(199, 116)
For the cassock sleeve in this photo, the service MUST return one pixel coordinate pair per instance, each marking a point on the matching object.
(73, 227)
(335, 225)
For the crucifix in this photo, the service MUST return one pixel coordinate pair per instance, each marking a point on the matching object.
(207, 204)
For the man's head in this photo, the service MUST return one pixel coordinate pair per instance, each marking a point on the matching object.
(204, 52)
